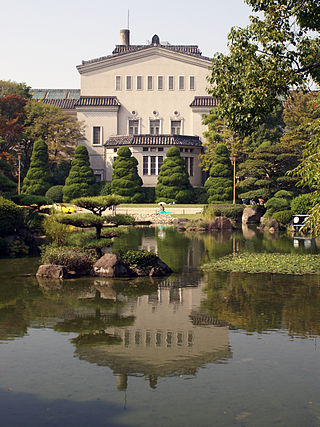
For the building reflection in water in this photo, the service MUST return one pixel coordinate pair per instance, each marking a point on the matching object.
(169, 336)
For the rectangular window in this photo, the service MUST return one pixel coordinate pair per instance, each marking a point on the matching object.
(176, 127)
(181, 83)
(154, 127)
(160, 82)
(160, 161)
(153, 149)
(96, 140)
(191, 166)
(118, 82)
(153, 165)
(129, 82)
(150, 83)
(139, 82)
(171, 83)
(160, 149)
(145, 165)
(145, 149)
(133, 127)
(186, 163)
(192, 83)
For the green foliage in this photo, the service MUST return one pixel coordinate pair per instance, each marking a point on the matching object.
(105, 189)
(284, 194)
(302, 204)
(60, 171)
(247, 262)
(80, 220)
(86, 240)
(120, 219)
(74, 259)
(81, 181)
(12, 117)
(137, 258)
(56, 231)
(219, 185)
(173, 180)
(149, 194)
(276, 204)
(10, 217)
(283, 217)
(125, 179)
(33, 220)
(200, 195)
(8, 87)
(263, 193)
(55, 193)
(31, 199)
(230, 211)
(37, 180)
(7, 186)
(16, 248)
(98, 204)
(275, 52)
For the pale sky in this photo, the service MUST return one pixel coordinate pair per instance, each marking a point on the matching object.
(42, 41)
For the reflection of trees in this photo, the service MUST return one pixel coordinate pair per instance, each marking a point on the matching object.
(263, 302)
(173, 249)
(130, 238)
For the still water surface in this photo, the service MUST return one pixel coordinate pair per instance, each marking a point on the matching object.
(193, 349)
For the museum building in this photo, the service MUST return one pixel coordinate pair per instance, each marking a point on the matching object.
(148, 97)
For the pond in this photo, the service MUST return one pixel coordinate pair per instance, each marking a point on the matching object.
(192, 349)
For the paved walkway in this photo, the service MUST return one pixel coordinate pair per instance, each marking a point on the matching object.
(153, 210)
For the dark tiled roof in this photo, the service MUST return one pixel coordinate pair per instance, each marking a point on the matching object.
(118, 140)
(55, 93)
(190, 50)
(64, 104)
(98, 101)
(204, 101)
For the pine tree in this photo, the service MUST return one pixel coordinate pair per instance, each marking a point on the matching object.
(173, 181)
(126, 181)
(81, 181)
(37, 180)
(219, 185)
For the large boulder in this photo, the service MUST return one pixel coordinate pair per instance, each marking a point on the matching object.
(252, 215)
(51, 271)
(269, 224)
(221, 223)
(111, 266)
(160, 269)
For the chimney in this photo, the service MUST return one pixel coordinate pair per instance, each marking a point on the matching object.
(125, 37)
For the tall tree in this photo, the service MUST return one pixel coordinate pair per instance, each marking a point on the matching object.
(126, 181)
(8, 87)
(12, 117)
(219, 185)
(276, 52)
(173, 180)
(81, 181)
(37, 180)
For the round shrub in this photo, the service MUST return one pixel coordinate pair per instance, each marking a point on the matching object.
(10, 217)
(277, 204)
(283, 217)
(55, 193)
(302, 204)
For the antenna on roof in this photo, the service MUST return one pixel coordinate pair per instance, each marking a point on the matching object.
(128, 19)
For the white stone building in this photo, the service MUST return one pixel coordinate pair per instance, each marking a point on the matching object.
(148, 97)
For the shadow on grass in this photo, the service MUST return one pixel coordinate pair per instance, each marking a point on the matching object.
(23, 409)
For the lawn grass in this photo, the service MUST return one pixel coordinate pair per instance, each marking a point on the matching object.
(247, 262)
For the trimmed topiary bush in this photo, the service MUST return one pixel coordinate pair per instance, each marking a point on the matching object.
(283, 217)
(173, 180)
(31, 200)
(149, 194)
(120, 219)
(55, 193)
(125, 179)
(37, 180)
(276, 204)
(81, 180)
(10, 217)
(302, 204)
(200, 195)
(98, 204)
(219, 185)
(230, 211)
(105, 189)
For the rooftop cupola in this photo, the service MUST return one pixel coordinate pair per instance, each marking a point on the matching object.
(155, 40)
(125, 37)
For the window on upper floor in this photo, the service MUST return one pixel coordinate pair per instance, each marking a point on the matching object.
(133, 127)
(176, 127)
(192, 85)
(118, 82)
(150, 82)
(154, 127)
(96, 135)
(171, 83)
(139, 82)
(129, 82)
(181, 83)
(160, 82)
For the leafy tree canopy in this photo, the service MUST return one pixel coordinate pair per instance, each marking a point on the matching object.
(12, 117)
(98, 204)
(276, 52)
(8, 87)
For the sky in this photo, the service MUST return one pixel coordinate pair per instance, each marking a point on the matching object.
(42, 41)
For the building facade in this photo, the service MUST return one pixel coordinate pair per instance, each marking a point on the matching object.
(148, 97)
